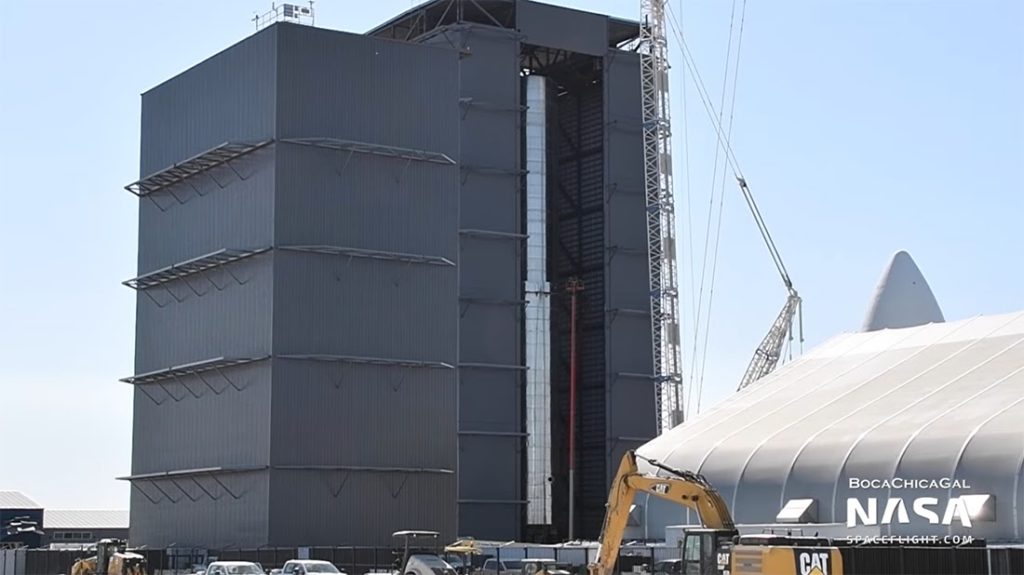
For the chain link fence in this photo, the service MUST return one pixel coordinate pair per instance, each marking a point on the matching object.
(509, 560)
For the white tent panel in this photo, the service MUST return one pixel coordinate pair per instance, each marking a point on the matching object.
(942, 400)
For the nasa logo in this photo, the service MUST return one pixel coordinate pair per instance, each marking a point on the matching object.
(957, 508)
(813, 562)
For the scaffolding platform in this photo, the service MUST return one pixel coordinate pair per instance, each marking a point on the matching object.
(490, 234)
(495, 366)
(472, 103)
(372, 254)
(194, 368)
(492, 171)
(190, 267)
(192, 475)
(390, 362)
(352, 146)
(177, 173)
(493, 301)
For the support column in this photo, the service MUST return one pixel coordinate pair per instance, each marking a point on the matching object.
(538, 309)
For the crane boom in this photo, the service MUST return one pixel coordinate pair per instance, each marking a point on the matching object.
(661, 222)
(765, 234)
(767, 355)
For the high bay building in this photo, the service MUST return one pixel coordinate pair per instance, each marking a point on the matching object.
(354, 252)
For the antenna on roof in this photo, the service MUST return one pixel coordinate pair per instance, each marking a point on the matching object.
(285, 13)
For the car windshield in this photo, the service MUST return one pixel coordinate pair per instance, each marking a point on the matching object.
(244, 570)
(321, 568)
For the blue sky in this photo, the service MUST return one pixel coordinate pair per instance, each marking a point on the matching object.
(863, 127)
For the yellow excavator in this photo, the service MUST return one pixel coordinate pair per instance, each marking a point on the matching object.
(717, 548)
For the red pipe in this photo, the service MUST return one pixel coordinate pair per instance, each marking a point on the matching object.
(572, 382)
(573, 286)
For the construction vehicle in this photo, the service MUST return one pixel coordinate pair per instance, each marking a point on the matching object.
(415, 558)
(112, 558)
(716, 549)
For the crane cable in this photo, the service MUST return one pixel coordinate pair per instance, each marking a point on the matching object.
(733, 163)
(695, 368)
(702, 93)
(687, 264)
(718, 232)
(730, 160)
(689, 231)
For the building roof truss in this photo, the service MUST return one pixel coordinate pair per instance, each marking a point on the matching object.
(426, 18)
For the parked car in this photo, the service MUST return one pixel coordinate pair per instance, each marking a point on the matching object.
(308, 566)
(234, 568)
(495, 567)
(668, 567)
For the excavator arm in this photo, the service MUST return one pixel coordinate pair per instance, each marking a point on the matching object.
(682, 487)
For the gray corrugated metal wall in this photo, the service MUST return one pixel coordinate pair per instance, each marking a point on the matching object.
(299, 82)
(184, 523)
(182, 118)
(562, 28)
(580, 210)
(628, 352)
(309, 426)
(357, 417)
(490, 283)
(600, 228)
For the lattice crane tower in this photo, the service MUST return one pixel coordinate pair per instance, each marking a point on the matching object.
(661, 237)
